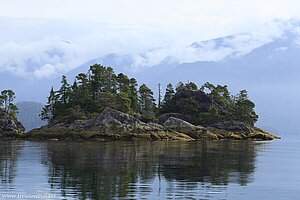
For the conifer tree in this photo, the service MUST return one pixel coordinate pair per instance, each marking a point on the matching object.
(169, 93)
(64, 91)
(159, 97)
(168, 105)
(146, 102)
(123, 83)
(244, 108)
(6, 102)
(47, 113)
(133, 95)
(84, 94)
(123, 102)
(191, 86)
(7, 97)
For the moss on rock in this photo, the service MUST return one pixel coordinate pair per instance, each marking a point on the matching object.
(115, 125)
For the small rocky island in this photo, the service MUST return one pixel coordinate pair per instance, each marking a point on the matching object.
(10, 127)
(115, 125)
(101, 105)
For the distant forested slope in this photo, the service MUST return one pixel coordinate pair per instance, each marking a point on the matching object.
(28, 114)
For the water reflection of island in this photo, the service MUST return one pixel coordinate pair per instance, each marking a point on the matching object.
(118, 169)
(214, 162)
(9, 154)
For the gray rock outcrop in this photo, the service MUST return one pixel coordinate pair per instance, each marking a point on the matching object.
(235, 126)
(111, 121)
(115, 125)
(9, 126)
(164, 117)
(108, 125)
(196, 132)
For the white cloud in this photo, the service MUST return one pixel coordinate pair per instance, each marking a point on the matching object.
(149, 11)
(45, 71)
(70, 45)
(36, 58)
(189, 18)
(33, 32)
(220, 48)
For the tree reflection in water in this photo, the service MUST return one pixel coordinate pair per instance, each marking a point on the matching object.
(9, 154)
(118, 169)
(215, 162)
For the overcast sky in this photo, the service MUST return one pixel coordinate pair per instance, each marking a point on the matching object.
(214, 16)
(83, 29)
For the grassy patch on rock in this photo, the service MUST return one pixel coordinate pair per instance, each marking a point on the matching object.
(262, 136)
(258, 135)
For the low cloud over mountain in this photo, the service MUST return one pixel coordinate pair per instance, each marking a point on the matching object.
(60, 51)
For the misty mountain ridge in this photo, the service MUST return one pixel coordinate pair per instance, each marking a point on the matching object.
(28, 114)
(232, 50)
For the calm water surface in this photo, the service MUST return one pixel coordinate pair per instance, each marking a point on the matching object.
(151, 170)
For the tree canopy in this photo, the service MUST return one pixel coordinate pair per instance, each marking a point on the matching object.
(91, 93)
(100, 87)
(6, 102)
(221, 106)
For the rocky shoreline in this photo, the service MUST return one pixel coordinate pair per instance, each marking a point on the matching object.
(115, 125)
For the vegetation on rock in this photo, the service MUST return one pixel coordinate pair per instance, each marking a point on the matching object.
(9, 125)
(101, 105)
(100, 87)
(6, 102)
(216, 105)
(92, 92)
